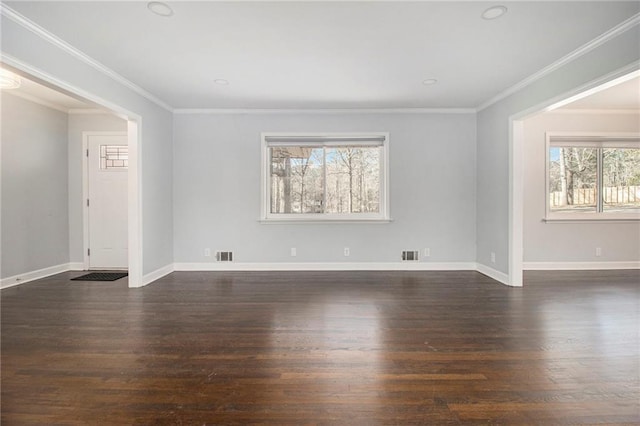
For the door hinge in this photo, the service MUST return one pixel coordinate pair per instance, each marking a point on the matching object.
(87, 202)
(87, 152)
(88, 252)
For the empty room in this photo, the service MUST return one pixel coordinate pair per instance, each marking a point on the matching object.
(320, 212)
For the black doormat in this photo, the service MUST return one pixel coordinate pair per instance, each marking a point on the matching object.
(101, 276)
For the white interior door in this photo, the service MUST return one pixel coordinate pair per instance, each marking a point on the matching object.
(107, 172)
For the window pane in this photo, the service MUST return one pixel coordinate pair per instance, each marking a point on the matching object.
(353, 179)
(296, 179)
(573, 179)
(114, 157)
(621, 179)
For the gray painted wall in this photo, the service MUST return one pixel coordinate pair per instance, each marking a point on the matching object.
(157, 194)
(79, 123)
(157, 129)
(35, 224)
(571, 242)
(493, 137)
(492, 206)
(217, 189)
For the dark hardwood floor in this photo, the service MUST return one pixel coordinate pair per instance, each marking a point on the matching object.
(338, 348)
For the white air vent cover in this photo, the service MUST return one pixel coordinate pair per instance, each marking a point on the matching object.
(224, 256)
(410, 255)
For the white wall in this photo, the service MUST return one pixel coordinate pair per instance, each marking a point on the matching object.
(571, 242)
(35, 224)
(79, 123)
(217, 189)
(493, 137)
(28, 51)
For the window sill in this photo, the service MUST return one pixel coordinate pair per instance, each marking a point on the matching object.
(600, 219)
(314, 221)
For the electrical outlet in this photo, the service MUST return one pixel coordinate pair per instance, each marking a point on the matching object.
(294, 252)
(493, 257)
(346, 251)
(427, 252)
(598, 251)
(207, 252)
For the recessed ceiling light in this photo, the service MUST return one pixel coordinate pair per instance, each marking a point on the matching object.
(429, 81)
(160, 8)
(9, 80)
(494, 12)
(221, 81)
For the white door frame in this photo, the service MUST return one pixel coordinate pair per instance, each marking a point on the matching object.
(85, 189)
(134, 202)
(516, 159)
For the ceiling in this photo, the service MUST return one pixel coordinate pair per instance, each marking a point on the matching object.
(364, 54)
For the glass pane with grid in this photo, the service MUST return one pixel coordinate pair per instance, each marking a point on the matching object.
(114, 157)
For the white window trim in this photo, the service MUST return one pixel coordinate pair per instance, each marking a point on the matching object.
(267, 217)
(587, 139)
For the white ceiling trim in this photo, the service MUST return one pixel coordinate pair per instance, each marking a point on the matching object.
(45, 103)
(325, 111)
(61, 44)
(36, 100)
(584, 49)
(88, 111)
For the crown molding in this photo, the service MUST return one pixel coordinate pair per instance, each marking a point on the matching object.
(74, 52)
(89, 111)
(582, 50)
(52, 105)
(206, 111)
(35, 100)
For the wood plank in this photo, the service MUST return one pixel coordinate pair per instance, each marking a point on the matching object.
(310, 348)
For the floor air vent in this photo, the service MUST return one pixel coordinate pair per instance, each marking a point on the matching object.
(410, 255)
(224, 256)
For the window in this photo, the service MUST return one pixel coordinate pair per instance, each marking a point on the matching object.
(325, 177)
(114, 157)
(593, 177)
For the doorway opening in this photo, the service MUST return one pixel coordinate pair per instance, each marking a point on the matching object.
(520, 177)
(54, 93)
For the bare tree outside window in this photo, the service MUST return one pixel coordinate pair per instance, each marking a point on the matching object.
(353, 180)
(594, 180)
(297, 179)
(621, 179)
(573, 179)
(331, 179)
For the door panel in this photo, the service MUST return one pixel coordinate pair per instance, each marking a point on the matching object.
(108, 175)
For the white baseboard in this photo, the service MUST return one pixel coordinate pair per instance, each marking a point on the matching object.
(569, 266)
(492, 273)
(76, 266)
(157, 274)
(329, 266)
(34, 275)
(335, 266)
